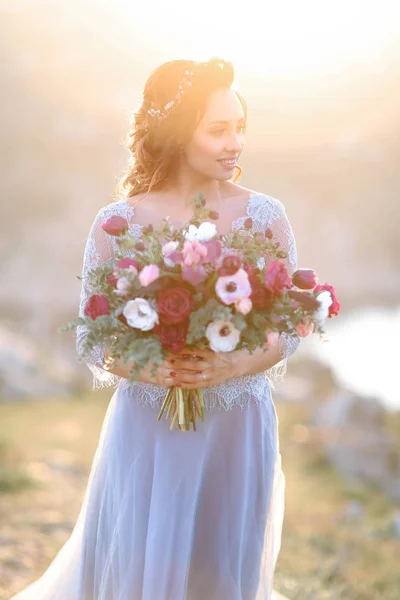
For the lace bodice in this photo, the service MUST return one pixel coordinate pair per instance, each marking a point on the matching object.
(265, 211)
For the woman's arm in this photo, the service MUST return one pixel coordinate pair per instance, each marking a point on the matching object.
(260, 360)
(282, 231)
(98, 249)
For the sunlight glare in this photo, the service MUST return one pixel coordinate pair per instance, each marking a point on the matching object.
(284, 39)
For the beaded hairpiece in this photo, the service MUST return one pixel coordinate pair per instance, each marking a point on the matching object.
(161, 113)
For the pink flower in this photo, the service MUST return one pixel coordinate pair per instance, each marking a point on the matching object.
(123, 263)
(193, 253)
(194, 275)
(244, 306)
(148, 274)
(214, 249)
(277, 279)
(168, 250)
(115, 225)
(335, 306)
(232, 288)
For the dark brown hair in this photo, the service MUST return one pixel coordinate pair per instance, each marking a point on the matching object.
(155, 144)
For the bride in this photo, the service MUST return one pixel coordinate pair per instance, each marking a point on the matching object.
(169, 516)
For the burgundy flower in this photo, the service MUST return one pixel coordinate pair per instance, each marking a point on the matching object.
(335, 306)
(115, 225)
(305, 279)
(230, 264)
(261, 297)
(307, 300)
(172, 337)
(248, 224)
(96, 306)
(174, 305)
(268, 233)
(277, 279)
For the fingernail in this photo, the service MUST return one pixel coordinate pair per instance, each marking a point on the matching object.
(173, 374)
(172, 360)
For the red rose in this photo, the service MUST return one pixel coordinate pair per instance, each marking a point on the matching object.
(174, 305)
(261, 297)
(96, 306)
(307, 300)
(124, 263)
(305, 279)
(335, 306)
(115, 225)
(277, 279)
(172, 337)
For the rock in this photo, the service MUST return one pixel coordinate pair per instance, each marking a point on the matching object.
(354, 509)
(307, 379)
(6, 540)
(28, 371)
(351, 429)
(278, 596)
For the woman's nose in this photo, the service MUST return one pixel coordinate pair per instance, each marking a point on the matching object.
(234, 144)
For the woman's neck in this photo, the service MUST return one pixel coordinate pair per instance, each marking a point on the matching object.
(183, 190)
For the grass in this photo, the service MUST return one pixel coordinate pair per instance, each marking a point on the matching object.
(46, 450)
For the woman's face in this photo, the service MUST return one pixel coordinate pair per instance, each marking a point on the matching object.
(218, 140)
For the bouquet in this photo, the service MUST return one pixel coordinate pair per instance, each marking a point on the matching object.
(171, 289)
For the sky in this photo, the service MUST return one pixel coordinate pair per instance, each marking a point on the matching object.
(280, 39)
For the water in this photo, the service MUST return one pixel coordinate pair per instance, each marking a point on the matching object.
(363, 348)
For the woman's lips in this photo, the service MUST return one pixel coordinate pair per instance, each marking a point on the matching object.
(228, 163)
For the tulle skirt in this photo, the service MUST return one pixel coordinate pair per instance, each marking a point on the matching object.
(172, 515)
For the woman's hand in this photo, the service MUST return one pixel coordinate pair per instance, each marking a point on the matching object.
(162, 374)
(211, 368)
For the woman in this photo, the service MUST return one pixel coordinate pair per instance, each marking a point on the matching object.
(168, 516)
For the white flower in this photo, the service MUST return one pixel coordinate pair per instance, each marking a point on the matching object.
(123, 286)
(204, 233)
(167, 249)
(222, 335)
(325, 300)
(140, 314)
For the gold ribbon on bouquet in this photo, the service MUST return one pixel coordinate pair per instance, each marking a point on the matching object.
(183, 407)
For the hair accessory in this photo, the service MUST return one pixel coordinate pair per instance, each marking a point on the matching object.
(161, 113)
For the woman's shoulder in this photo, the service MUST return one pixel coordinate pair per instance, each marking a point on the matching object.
(259, 201)
(118, 207)
(241, 190)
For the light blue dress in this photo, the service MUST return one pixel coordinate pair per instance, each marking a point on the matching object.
(172, 515)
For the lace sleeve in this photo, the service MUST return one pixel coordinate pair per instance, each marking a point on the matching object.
(98, 249)
(279, 224)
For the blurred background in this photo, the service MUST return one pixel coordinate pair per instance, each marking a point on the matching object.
(322, 83)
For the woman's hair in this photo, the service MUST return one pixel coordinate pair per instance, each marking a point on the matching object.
(174, 101)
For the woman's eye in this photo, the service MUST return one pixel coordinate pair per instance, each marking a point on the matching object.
(217, 132)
